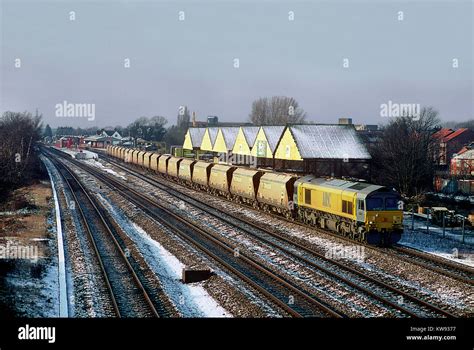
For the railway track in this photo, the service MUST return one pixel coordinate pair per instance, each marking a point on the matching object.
(128, 295)
(438, 264)
(277, 289)
(375, 288)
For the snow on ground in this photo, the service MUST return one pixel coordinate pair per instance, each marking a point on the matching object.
(22, 211)
(31, 282)
(450, 247)
(205, 303)
(102, 167)
(56, 178)
(451, 233)
(191, 300)
(89, 154)
(63, 302)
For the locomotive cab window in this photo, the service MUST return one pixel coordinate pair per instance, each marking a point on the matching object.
(374, 203)
(391, 203)
(361, 204)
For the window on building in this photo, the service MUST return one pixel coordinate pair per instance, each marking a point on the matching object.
(288, 151)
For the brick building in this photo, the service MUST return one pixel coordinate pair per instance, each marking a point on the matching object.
(450, 142)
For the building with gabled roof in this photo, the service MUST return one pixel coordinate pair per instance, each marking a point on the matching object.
(306, 141)
(245, 140)
(323, 150)
(462, 163)
(450, 142)
(267, 140)
(193, 138)
(208, 139)
(225, 139)
(109, 133)
(99, 141)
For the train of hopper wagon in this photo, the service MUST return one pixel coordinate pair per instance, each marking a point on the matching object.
(361, 211)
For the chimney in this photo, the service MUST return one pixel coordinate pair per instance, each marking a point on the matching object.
(194, 119)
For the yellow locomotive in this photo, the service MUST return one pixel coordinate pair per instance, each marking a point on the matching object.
(362, 211)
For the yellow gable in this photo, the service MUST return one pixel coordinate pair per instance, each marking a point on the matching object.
(241, 146)
(187, 141)
(287, 148)
(219, 144)
(260, 148)
(206, 144)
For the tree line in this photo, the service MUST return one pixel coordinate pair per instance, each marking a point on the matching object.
(19, 163)
(147, 128)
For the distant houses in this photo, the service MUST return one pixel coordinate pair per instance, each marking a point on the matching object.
(455, 161)
(104, 138)
(110, 133)
(451, 141)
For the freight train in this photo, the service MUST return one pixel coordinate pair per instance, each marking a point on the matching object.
(364, 212)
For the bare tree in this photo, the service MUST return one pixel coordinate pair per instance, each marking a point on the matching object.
(18, 161)
(405, 155)
(277, 110)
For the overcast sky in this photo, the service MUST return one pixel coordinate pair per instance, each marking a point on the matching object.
(191, 62)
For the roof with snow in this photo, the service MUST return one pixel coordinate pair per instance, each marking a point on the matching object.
(213, 134)
(328, 141)
(273, 134)
(466, 154)
(230, 134)
(250, 133)
(196, 135)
